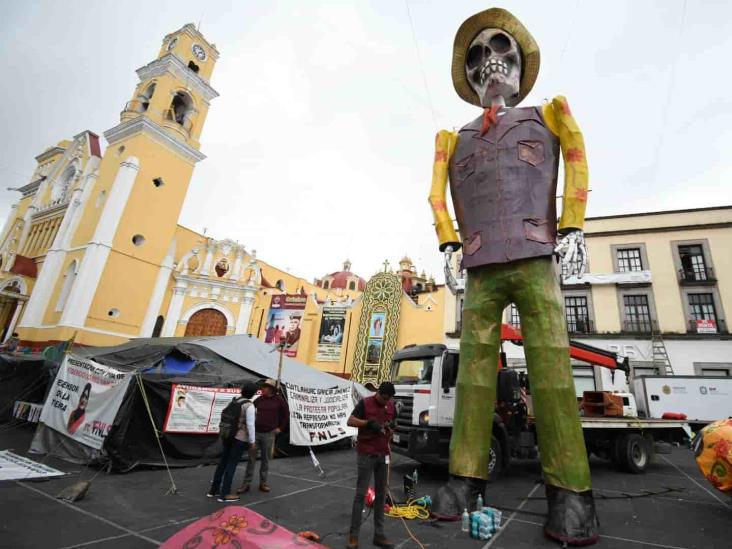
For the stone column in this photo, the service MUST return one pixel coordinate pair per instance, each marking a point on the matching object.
(210, 248)
(14, 320)
(236, 270)
(151, 315)
(56, 256)
(9, 222)
(97, 251)
(174, 309)
(245, 311)
(27, 219)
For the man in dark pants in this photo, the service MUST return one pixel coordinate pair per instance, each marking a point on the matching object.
(245, 436)
(273, 416)
(373, 416)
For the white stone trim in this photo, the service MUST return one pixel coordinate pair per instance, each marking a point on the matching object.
(14, 321)
(230, 322)
(38, 302)
(156, 300)
(21, 284)
(210, 282)
(85, 286)
(116, 201)
(174, 309)
(174, 65)
(245, 310)
(85, 329)
(142, 124)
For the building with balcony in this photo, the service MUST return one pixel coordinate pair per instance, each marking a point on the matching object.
(657, 283)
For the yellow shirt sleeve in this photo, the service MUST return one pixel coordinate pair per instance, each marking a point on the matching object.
(445, 143)
(560, 121)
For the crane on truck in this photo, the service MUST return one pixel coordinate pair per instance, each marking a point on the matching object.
(425, 379)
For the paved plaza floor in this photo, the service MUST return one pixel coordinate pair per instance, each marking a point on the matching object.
(132, 510)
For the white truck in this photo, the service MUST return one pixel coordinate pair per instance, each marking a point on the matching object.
(425, 376)
(701, 399)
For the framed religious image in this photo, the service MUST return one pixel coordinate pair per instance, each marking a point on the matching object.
(373, 351)
(376, 325)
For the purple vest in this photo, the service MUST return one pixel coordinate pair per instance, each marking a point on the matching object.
(367, 441)
(503, 187)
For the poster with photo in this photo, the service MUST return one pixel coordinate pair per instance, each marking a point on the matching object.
(197, 410)
(284, 321)
(84, 399)
(373, 351)
(376, 324)
(330, 339)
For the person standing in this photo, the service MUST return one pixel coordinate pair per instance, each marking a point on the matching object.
(373, 416)
(234, 449)
(273, 416)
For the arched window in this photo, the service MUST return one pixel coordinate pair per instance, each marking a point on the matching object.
(351, 285)
(280, 285)
(146, 96)
(181, 109)
(69, 278)
(326, 284)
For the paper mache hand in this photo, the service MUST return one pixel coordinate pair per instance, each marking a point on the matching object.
(573, 252)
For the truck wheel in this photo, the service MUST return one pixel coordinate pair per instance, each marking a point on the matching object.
(495, 459)
(633, 453)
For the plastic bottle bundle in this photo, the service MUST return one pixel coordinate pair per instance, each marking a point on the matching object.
(480, 526)
(494, 517)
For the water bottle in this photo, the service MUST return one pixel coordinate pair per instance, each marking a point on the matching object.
(466, 521)
(480, 503)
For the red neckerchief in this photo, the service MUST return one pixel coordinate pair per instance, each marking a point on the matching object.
(489, 116)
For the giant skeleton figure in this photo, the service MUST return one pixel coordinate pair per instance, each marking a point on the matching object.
(503, 176)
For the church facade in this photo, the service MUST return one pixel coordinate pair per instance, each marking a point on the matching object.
(93, 250)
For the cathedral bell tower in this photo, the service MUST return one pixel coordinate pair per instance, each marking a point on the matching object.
(116, 263)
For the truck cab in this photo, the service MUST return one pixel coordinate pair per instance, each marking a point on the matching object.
(425, 380)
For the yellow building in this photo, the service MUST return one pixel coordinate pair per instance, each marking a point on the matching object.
(101, 230)
(93, 248)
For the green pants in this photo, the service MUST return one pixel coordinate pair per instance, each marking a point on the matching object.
(532, 285)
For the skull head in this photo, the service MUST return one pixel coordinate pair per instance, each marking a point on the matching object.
(493, 66)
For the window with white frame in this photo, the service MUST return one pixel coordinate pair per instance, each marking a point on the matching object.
(513, 316)
(629, 259)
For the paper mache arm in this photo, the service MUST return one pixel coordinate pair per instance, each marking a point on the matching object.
(445, 143)
(571, 244)
(574, 201)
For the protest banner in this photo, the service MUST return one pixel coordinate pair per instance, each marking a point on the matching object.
(84, 399)
(15, 467)
(197, 410)
(319, 415)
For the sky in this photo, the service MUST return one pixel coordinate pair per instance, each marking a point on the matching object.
(320, 145)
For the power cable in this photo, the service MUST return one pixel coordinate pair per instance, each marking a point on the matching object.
(421, 65)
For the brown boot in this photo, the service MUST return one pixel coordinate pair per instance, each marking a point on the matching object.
(264, 487)
(352, 542)
(243, 489)
(383, 542)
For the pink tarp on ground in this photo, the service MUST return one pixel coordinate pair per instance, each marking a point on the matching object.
(236, 527)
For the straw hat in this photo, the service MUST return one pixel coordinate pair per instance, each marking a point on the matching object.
(271, 382)
(497, 18)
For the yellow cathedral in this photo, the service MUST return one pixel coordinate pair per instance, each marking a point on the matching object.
(93, 250)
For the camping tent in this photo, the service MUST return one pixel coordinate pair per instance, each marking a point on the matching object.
(158, 364)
